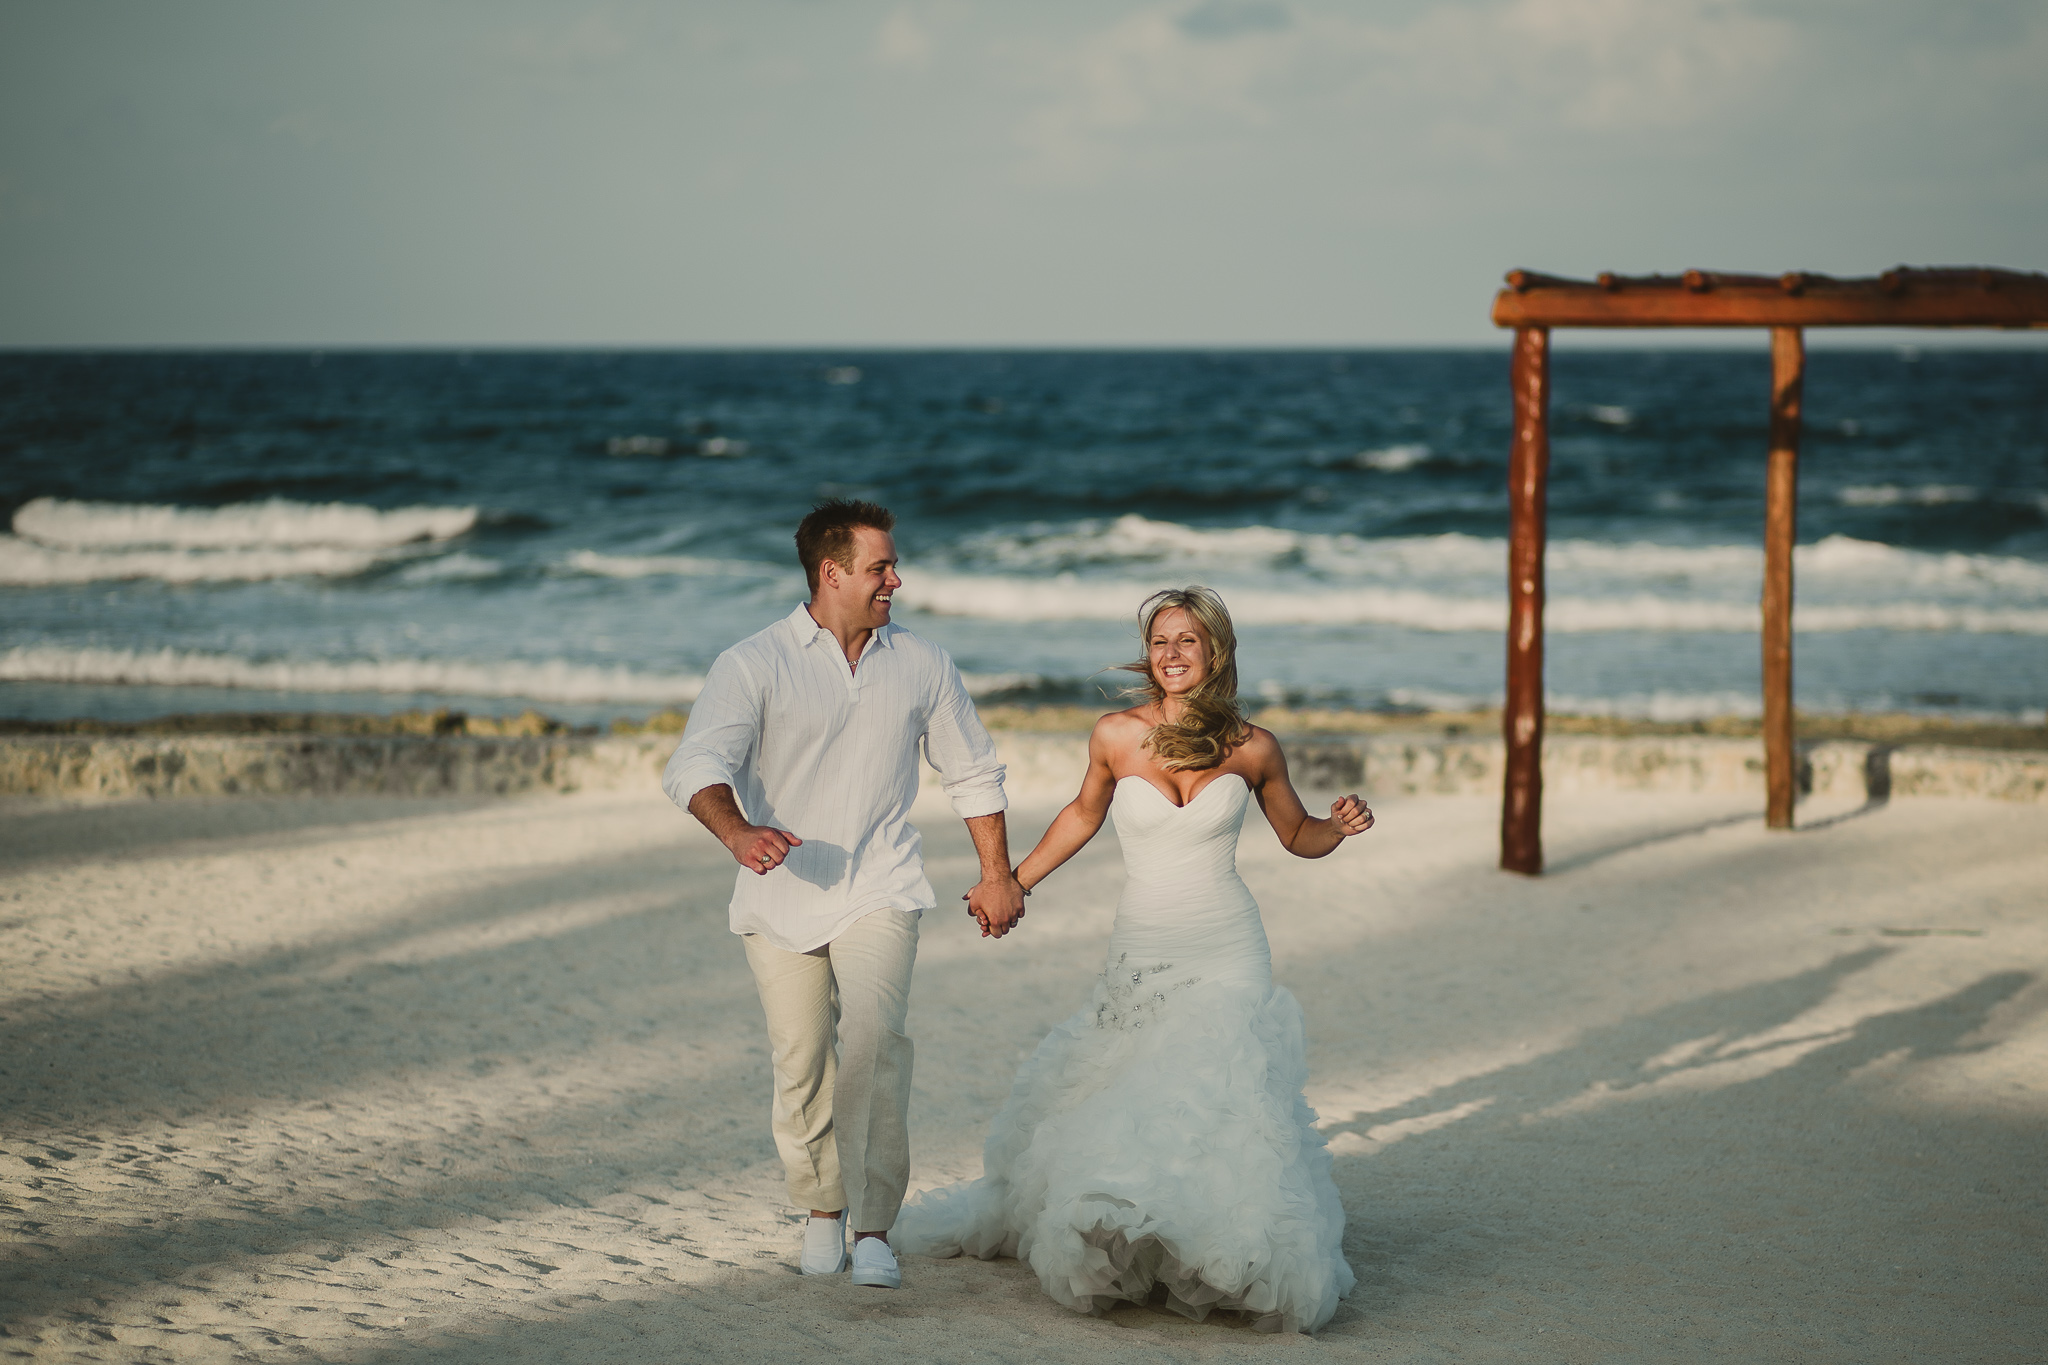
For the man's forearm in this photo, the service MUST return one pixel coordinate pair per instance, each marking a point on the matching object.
(758, 850)
(997, 901)
(991, 835)
(718, 811)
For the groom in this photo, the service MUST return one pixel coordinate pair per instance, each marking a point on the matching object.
(801, 756)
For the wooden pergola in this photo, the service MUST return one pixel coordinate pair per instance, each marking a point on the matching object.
(1532, 304)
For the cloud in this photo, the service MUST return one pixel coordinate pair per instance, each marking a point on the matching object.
(1222, 19)
(1610, 65)
(1147, 79)
(1477, 75)
(560, 54)
(904, 40)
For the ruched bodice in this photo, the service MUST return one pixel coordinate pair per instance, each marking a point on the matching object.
(1169, 848)
(1157, 1141)
(1185, 912)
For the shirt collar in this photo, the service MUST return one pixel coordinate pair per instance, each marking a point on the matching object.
(807, 631)
(801, 627)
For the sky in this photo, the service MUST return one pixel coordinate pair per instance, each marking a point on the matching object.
(948, 172)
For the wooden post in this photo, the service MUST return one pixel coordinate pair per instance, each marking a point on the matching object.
(1521, 811)
(1781, 512)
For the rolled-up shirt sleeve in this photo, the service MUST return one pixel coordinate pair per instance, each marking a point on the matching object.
(724, 727)
(957, 744)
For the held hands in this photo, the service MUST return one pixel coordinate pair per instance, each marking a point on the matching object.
(1350, 815)
(760, 849)
(996, 904)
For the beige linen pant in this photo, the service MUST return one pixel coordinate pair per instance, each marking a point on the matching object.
(841, 1116)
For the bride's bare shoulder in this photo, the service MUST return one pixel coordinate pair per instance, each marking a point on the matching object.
(1261, 746)
(1120, 732)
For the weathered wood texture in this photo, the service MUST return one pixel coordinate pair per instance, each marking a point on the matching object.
(1962, 296)
(1781, 515)
(1521, 814)
(1906, 297)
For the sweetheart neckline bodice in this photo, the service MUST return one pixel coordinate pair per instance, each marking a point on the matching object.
(1214, 781)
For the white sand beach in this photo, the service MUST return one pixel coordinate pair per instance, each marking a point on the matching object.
(385, 1079)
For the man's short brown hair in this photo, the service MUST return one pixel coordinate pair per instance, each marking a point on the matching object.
(827, 533)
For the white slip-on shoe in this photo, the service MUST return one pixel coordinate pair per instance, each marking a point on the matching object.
(874, 1264)
(824, 1246)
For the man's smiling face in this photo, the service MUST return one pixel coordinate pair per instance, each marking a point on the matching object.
(861, 593)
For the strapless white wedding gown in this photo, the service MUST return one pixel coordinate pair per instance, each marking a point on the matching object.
(1159, 1137)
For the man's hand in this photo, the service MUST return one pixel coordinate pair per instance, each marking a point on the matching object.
(760, 849)
(997, 903)
(757, 848)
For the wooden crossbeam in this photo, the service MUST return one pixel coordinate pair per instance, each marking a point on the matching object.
(1961, 296)
(1533, 303)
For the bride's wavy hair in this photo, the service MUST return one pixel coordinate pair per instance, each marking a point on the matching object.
(1211, 723)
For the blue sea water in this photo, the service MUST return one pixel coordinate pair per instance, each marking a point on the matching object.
(585, 531)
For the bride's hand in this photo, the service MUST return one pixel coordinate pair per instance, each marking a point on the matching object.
(1350, 814)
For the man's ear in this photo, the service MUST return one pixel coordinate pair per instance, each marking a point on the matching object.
(830, 572)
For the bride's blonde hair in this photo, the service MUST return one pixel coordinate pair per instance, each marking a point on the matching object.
(1211, 723)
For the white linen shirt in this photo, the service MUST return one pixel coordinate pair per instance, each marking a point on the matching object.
(829, 753)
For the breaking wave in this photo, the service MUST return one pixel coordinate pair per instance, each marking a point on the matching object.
(1135, 540)
(553, 680)
(1392, 459)
(57, 541)
(1891, 495)
(653, 566)
(1068, 598)
(1664, 705)
(1100, 570)
(24, 563)
(550, 680)
(455, 568)
(72, 525)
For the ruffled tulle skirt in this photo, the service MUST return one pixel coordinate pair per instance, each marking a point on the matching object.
(1159, 1150)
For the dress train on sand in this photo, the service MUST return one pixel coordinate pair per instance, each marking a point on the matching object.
(1158, 1141)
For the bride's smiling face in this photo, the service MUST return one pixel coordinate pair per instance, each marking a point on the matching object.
(1177, 652)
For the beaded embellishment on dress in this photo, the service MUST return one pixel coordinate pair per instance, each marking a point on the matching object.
(1157, 1142)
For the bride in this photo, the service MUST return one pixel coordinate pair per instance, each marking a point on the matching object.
(1157, 1141)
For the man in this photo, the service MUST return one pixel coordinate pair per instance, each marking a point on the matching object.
(801, 757)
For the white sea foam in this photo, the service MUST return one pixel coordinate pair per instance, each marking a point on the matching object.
(114, 526)
(1838, 570)
(455, 568)
(984, 684)
(1661, 705)
(1891, 495)
(1066, 597)
(550, 680)
(1392, 459)
(650, 566)
(24, 563)
(1667, 707)
(1129, 539)
(547, 680)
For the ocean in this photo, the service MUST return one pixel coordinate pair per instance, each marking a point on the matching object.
(583, 532)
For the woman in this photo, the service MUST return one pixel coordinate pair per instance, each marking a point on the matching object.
(1159, 1136)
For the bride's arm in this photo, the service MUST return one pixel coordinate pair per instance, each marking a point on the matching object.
(1302, 834)
(1078, 822)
